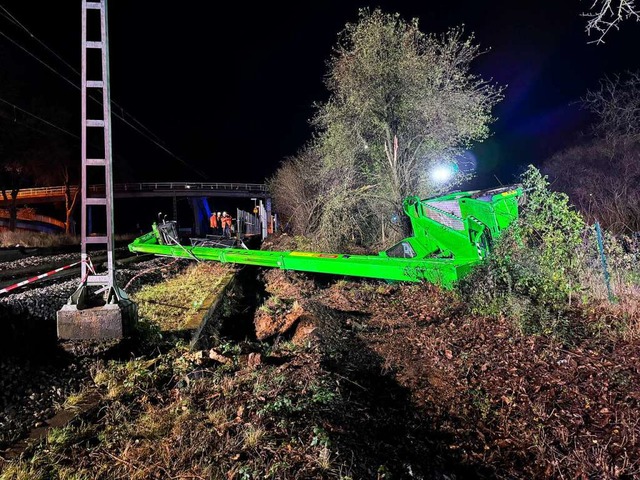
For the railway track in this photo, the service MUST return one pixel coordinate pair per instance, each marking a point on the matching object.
(18, 253)
(38, 372)
(18, 273)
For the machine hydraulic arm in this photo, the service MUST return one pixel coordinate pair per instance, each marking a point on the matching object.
(451, 234)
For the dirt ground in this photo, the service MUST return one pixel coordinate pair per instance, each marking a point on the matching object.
(347, 379)
(436, 393)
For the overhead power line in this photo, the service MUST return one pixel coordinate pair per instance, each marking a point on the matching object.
(139, 129)
(47, 122)
(13, 20)
(15, 107)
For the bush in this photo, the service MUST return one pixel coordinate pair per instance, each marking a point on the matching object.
(533, 272)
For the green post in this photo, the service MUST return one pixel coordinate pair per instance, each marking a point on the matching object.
(603, 259)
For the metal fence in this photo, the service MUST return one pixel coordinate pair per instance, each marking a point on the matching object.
(248, 223)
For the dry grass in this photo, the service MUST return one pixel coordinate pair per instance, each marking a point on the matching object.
(46, 240)
(252, 436)
(36, 239)
(217, 417)
(180, 415)
(75, 400)
(171, 304)
(155, 423)
(617, 311)
(324, 458)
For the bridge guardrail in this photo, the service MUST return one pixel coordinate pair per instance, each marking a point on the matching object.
(145, 187)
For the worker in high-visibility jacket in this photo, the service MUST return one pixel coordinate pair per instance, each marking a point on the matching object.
(213, 223)
(226, 224)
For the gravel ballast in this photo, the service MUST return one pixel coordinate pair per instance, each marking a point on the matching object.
(37, 372)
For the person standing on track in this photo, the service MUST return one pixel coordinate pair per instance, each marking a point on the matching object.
(226, 225)
(213, 223)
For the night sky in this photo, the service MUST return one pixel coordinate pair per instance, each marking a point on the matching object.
(229, 89)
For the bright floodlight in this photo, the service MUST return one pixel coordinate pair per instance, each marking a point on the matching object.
(442, 173)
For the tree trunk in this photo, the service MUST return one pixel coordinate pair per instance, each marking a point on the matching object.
(67, 222)
(13, 211)
(13, 207)
(69, 204)
(407, 228)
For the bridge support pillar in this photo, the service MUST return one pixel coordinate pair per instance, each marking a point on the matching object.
(267, 207)
(201, 212)
(175, 208)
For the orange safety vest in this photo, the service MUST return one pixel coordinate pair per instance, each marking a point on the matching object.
(226, 220)
(213, 221)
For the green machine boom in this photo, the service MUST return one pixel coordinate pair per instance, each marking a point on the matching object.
(451, 234)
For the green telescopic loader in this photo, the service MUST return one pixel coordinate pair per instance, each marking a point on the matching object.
(451, 234)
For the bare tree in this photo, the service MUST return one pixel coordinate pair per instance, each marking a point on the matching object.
(325, 203)
(13, 177)
(617, 106)
(61, 170)
(34, 153)
(295, 188)
(601, 179)
(15, 167)
(602, 175)
(56, 163)
(70, 200)
(605, 15)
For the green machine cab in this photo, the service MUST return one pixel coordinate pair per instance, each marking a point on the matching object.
(451, 234)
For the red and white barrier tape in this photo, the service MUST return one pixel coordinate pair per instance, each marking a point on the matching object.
(40, 277)
(90, 269)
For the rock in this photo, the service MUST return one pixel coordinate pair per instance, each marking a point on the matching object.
(254, 360)
(304, 330)
(213, 355)
(268, 325)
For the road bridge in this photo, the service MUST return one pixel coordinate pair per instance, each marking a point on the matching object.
(28, 196)
(196, 192)
(32, 222)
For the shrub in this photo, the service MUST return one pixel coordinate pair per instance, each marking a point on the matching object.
(534, 270)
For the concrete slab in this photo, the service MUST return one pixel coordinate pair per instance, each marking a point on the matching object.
(207, 316)
(111, 321)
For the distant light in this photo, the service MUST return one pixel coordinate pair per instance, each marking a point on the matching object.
(188, 186)
(442, 173)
